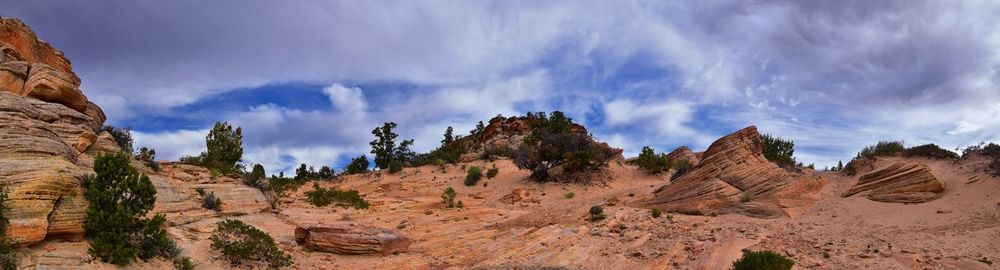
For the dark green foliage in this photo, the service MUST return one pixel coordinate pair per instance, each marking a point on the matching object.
(990, 151)
(385, 149)
(304, 173)
(451, 150)
(596, 213)
(449, 136)
(492, 172)
(8, 261)
(883, 148)
(211, 202)
(241, 243)
(225, 149)
(322, 197)
(184, 263)
(840, 166)
(395, 166)
(656, 212)
(652, 163)
(448, 197)
(929, 150)
(256, 178)
(491, 152)
(119, 197)
(479, 129)
(122, 136)
(762, 260)
(473, 175)
(153, 165)
(282, 185)
(154, 241)
(681, 167)
(358, 165)
(553, 142)
(777, 150)
(325, 173)
(146, 154)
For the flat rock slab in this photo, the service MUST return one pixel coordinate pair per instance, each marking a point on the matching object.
(901, 182)
(349, 237)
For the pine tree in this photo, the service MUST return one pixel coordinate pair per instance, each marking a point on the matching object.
(358, 165)
(385, 149)
(448, 136)
(225, 147)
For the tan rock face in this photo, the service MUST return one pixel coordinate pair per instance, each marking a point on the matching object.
(731, 167)
(348, 237)
(32, 67)
(684, 153)
(901, 182)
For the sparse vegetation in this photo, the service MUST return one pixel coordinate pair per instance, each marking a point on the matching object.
(990, 151)
(241, 243)
(570, 195)
(358, 165)
(8, 260)
(778, 150)
(755, 260)
(395, 166)
(656, 212)
(119, 196)
(553, 142)
(145, 154)
(651, 162)
(474, 174)
(448, 197)
(225, 149)
(596, 213)
(492, 172)
(183, 263)
(322, 197)
(931, 151)
(681, 167)
(985, 260)
(282, 185)
(883, 148)
(211, 202)
(256, 178)
(450, 151)
(386, 151)
(746, 196)
(122, 136)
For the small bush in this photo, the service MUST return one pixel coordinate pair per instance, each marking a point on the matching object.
(554, 142)
(473, 176)
(145, 154)
(282, 185)
(652, 163)
(930, 151)
(883, 148)
(656, 212)
(153, 165)
(492, 172)
(225, 149)
(211, 202)
(122, 136)
(777, 150)
(256, 178)
(681, 167)
(597, 213)
(8, 261)
(322, 197)
(448, 197)
(395, 166)
(358, 165)
(183, 263)
(754, 260)
(990, 151)
(240, 243)
(986, 261)
(570, 195)
(746, 196)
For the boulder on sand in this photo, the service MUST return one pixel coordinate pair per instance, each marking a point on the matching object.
(349, 237)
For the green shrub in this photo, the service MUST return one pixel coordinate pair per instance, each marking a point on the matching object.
(656, 212)
(153, 165)
(256, 178)
(681, 167)
(554, 142)
(746, 196)
(122, 136)
(450, 151)
(652, 163)
(119, 196)
(473, 175)
(145, 154)
(211, 202)
(491, 152)
(570, 195)
(777, 150)
(322, 197)
(395, 166)
(883, 148)
(931, 151)
(183, 263)
(225, 149)
(990, 151)
(282, 185)
(492, 172)
(597, 213)
(241, 243)
(756, 260)
(358, 165)
(448, 197)
(8, 261)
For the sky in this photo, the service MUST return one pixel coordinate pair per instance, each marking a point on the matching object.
(308, 80)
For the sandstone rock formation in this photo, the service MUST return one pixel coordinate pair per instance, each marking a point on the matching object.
(684, 153)
(505, 134)
(348, 237)
(901, 182)
(734, 167)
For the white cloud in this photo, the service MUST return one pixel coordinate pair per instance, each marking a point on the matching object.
(171, 145)
(667, 119)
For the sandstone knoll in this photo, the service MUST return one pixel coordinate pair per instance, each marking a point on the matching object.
(505, 134)
(685, 153)
(900, 182)
(734, 167)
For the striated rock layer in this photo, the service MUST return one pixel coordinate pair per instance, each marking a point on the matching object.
(684, 153)
(348, 237)
(901, 182)
(734, 167)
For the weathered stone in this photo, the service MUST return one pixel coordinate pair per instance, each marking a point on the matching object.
(684, 153)
(49, 84)
(732, 166)
(900, 182)
(348, 237)
(12, 76)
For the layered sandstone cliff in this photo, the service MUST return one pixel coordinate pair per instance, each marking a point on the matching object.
(902, 182)
(734, 176)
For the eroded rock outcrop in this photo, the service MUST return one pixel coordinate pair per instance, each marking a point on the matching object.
(732, 168)
(349, 237)
(684, 153)
(505, 134)
(901, 182)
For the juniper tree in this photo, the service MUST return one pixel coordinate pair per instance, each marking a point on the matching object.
(385, 149)
(225, 147)
(358, 165)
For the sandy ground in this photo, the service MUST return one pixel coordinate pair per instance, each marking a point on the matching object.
(491, 232)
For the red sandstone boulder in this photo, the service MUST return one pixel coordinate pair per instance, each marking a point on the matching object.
(349, 237)
(900, 182)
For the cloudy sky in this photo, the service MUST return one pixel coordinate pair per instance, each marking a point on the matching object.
(309, 81)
